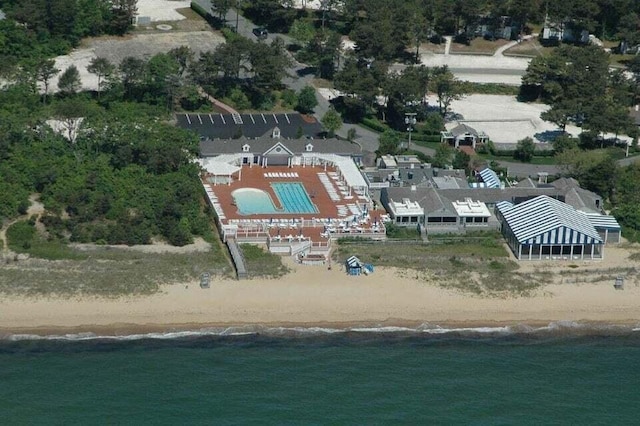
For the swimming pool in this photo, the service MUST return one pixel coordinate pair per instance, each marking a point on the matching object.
(294, 198)
(291, 195)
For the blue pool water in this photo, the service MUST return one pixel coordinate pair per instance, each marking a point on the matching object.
(291, 196)
(294, 198)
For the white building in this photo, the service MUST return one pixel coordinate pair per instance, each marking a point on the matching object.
(406, 212)
(472, 213)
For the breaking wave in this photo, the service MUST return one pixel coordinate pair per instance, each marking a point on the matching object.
(555, 329)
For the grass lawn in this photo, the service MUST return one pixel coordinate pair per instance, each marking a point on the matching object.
(55, 268)
(547, 161)
(428, 47)
(479, 45)
(475, 263)
(262, 263)
(109, 272)
(530, 47)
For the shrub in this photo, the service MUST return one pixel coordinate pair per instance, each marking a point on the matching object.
(374, 124)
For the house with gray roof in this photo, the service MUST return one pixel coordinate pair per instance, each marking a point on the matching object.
(274, 150)
(463, 134)
(440, 213)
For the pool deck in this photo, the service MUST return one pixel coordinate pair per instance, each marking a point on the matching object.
(340, 213)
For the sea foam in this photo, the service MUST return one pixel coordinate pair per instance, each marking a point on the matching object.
(556, 328)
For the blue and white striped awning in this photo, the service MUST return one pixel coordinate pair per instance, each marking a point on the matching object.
(503, 206)
(490, 178)
(600, 221)
(545, 220)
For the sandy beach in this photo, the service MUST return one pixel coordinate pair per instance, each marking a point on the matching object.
(316, 296)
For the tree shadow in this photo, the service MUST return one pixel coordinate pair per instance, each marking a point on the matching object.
(548, 135)
(302, 72)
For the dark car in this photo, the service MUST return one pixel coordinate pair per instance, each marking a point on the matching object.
(260, 32)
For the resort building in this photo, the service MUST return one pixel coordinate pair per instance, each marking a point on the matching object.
(439, 213)
(463, 135)
(546, 228)
(472, 213)
(295, 195)
(405, 212)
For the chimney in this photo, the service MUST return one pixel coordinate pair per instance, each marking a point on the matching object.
(637, 107)
(413, 187)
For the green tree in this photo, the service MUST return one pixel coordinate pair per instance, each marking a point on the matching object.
(123, 13)
(443, 155)
(332, 121)
(222, 7)
(446, 87)
(133, 72)
(302, 31)
(389, 143)
(461, 160)
(45, 70)
(596, 170)
(307, 100)
(564, 143)
(525, 150)
(269, 63)
(69, 82)
(102, 68)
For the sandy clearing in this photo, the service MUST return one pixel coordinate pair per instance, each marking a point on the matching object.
(138, 45)
(162, 10)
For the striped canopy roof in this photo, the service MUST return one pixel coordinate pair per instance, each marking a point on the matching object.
(602, 221)
(545, 220)
(490, 178)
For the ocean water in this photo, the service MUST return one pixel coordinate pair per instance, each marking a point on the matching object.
(561, 374)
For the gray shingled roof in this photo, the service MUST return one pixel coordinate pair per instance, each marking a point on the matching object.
(428, 198)
(462, 129)
(209, 148)
(227, 126)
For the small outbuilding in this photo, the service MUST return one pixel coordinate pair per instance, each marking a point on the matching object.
(353, 265)
(463, 135)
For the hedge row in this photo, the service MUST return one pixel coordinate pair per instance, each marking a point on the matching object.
(374, 124)
(377, 126)
(511, 153)
(200, 10)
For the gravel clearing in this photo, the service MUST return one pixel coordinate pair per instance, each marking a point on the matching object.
(162, 10)
(137, 45)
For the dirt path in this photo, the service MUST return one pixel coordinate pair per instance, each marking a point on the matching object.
(35, 209)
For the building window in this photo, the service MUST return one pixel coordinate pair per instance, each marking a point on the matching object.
(309, 147)
(245, 148)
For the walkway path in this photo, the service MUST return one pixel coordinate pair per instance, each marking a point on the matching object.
(501, 50)
(217, 103)
(447, 44)
(36, 208)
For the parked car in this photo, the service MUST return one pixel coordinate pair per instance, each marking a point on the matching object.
(260, 32)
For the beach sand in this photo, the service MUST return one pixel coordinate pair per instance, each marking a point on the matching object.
(316, 296)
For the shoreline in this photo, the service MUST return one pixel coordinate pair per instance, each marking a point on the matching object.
(166, 331)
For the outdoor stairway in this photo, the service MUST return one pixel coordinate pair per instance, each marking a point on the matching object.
(238, 258)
